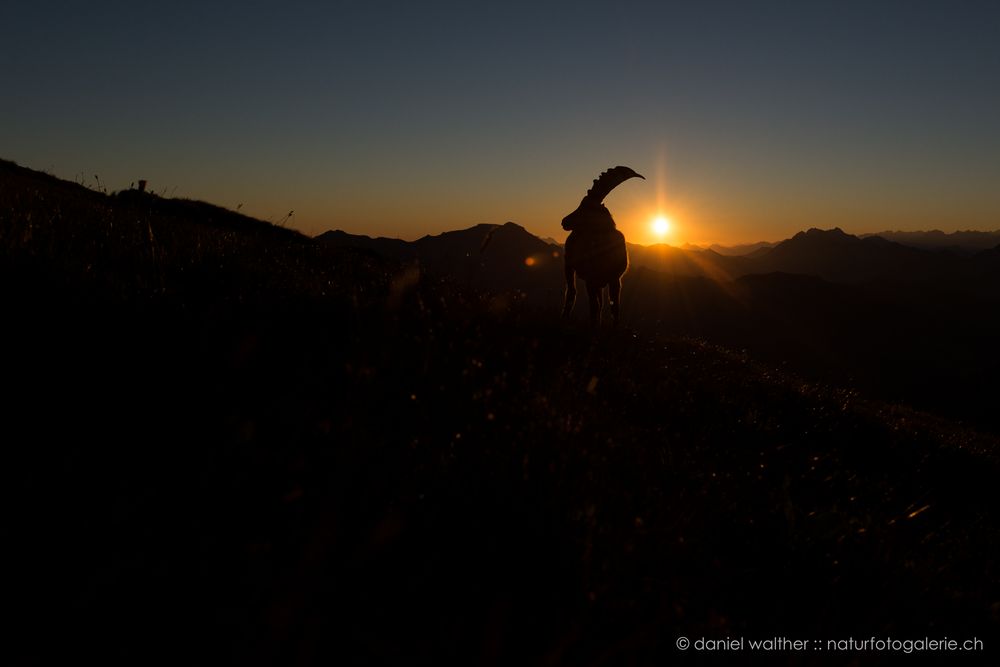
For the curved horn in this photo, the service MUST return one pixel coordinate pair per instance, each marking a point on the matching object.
(608, 181)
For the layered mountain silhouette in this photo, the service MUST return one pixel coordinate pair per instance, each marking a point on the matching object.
(840, 257)
(962, 242)
(741, 249)
(509, 255)
(900, 322)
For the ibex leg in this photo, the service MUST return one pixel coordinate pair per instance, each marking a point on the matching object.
(594, 293)
(614, 295)
(570, 292)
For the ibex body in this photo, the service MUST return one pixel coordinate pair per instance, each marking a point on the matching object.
(595, 249)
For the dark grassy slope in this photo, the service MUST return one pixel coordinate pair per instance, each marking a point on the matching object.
(230, 443)
(929, 347)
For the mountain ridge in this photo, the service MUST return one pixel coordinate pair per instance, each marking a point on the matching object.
(962, 241)
(830, 254)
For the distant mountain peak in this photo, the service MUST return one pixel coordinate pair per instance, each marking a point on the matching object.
(816, 237)
(816, 232)
(514, 228)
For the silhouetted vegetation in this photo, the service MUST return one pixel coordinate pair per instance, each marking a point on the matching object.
(227, 442)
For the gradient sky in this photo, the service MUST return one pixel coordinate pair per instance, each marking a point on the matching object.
(751, 120)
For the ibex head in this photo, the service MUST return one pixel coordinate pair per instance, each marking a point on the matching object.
(591, 214)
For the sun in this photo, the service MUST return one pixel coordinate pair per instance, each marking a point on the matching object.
(661, 225)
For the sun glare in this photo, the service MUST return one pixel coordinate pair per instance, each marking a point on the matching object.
(661, 225)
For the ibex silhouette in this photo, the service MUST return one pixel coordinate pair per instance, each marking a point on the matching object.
(595, 248)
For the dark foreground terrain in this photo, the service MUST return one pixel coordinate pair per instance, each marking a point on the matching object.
(226, 443)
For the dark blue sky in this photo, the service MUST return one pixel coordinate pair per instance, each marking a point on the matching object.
(751, 120)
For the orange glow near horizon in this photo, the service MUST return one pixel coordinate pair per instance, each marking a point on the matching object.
(651, 225)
